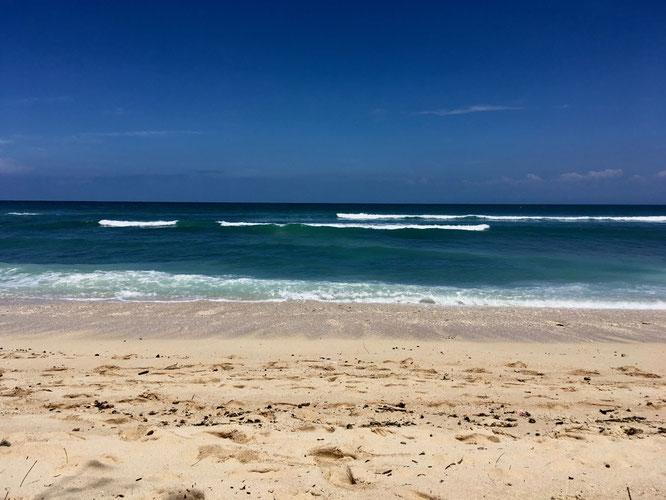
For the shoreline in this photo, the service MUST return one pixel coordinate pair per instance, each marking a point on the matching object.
(423, 303)
(313, 320)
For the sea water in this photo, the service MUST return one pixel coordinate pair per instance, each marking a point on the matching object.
(453, 255)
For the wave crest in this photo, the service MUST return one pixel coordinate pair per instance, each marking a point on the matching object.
(390, 227)
(137, 223)
(583, 218)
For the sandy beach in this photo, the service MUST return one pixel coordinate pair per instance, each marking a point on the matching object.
(303, 400)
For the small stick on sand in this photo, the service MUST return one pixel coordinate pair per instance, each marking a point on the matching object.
(498, 458)
(628, 492)
(66, 456)
(26, 474)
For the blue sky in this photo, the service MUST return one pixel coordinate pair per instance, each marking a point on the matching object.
(444, 102)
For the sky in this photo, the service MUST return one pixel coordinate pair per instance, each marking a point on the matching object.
(333, 101)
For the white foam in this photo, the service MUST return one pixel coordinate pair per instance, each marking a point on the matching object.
(363, 216)
(23, 213)
(137, 223)
(243, 224)
(142, 286)
(585, 218)
(390, 227)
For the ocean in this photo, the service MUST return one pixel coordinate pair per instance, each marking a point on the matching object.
(452, 255)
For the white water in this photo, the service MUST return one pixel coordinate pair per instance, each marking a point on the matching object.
(137, 223)
(599, 218)
(133, 285)
(393, 227)
(244, 224)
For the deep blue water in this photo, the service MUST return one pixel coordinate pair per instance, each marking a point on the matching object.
(522, 255)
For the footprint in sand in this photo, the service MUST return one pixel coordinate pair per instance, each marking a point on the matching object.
(336, 466)
(224, 367)
(221, 454)
(305, 428)
(17, 392)
(516, 364)
(234, 435)
(583, 373)
(476, 370)
(181, 494)
(107, 369)
(530, 372)
(407, 362)
(76, 395)
(632, 371)
(477, 438)
(138, 433)
(142, 398)
(331, 453)
(126, 356)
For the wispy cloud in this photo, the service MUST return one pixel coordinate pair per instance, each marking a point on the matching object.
(27, 101)
(479, 108)
(378, 114)
(532, 179)
(140, 133)
(592, 175)
(661, 174)
(6, 141)
(117, 111)
(9, 166)
(528, 180)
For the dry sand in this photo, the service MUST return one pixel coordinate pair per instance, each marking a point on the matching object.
(303, 400)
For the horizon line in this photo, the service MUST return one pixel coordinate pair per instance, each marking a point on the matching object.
(333, 203)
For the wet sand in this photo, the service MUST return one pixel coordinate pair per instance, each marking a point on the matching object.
(303, 400)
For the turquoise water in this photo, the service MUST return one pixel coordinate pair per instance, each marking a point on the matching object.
(527, 255)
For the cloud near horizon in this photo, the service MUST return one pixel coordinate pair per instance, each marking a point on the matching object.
(469, 109)
(528, 179)
(532, 178)
(609, 173)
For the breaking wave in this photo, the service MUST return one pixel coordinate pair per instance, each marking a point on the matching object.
(136, 223)
(557, 218)
(393, 227)
(139, 285)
